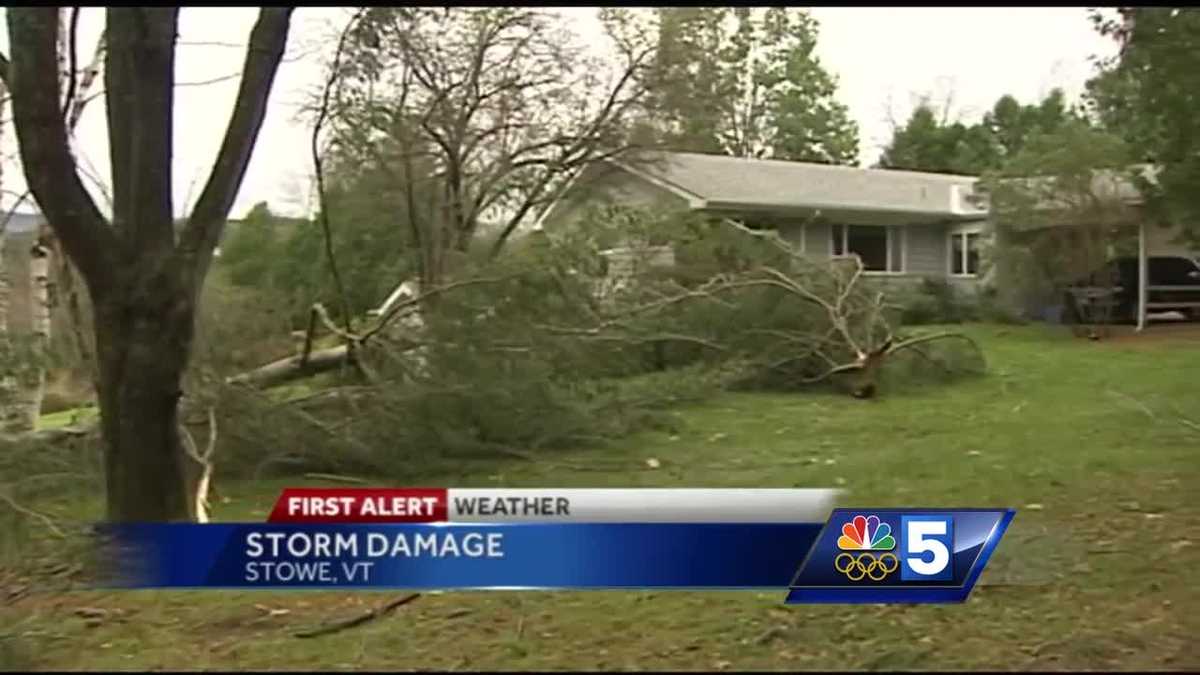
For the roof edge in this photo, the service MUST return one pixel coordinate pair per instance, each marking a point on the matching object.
(694, 200)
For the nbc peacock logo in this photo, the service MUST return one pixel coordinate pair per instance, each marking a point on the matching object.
(867, 545)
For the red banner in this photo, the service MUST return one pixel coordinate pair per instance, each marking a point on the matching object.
(360, 505)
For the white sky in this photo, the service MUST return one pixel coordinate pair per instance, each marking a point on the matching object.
(884, 59)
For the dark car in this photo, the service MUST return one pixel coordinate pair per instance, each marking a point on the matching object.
(1111, 293)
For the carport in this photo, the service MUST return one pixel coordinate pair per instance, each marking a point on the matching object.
(1120, 199)
(1145, 306)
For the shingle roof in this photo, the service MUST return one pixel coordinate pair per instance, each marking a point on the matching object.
(732, 182)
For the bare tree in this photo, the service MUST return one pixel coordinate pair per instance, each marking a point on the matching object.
(483, 114)
(7, 379)
(144, 279)
(24, 388)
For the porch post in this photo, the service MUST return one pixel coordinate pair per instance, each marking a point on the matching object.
(1142, 276)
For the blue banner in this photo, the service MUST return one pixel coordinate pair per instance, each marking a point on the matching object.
(858, 556)
(459, 556)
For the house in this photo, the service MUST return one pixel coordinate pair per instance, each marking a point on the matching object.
(903, 225)
(20, 235)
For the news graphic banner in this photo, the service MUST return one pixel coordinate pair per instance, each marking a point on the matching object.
(436, 538)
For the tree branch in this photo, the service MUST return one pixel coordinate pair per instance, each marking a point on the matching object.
(45, 148)
(319, 171)
(267, 42)
(142, 56)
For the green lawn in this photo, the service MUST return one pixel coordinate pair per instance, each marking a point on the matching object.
(1099, 570)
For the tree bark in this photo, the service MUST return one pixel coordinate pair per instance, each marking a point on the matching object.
(8, 381)
(32, 382)
(294, 367)
(142, 357)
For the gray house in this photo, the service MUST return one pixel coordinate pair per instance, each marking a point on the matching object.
(903, 225)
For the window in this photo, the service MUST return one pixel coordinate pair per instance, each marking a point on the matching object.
(881, 249)
(964, 254)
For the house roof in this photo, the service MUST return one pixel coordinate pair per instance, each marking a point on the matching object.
(723, 182)
(19, 222)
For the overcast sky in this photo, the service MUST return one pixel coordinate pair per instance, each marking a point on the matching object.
(884, 58)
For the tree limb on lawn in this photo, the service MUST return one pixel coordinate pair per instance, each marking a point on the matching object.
(294, 367)
(371, 615)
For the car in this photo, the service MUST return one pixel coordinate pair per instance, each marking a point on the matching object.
(1110, 294)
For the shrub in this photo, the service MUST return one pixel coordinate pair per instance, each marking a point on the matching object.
(936, 301)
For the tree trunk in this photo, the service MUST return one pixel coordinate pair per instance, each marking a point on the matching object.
(8, 358)
(142, 355)
(8, 384)
(3, 291)
(31, 383)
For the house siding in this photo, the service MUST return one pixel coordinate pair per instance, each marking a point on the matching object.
(795, 234)
(817, 238)
(16, 267)
(927, 245)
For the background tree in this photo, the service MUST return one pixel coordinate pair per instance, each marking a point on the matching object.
(926, 143)
(746, 82)
(23, 360)
(250, 249)
(932, 142)
(1059, 213)
(142, 275)
(284, 258)
(1149, 94)
(481, 115)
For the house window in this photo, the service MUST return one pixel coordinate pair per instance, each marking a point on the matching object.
(881, 249)
(964, 254)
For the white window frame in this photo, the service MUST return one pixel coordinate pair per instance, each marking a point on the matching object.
(962, 231)
(897, 235)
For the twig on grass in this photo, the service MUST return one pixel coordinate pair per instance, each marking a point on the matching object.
(334, 478)
(46, 520)
(371, 615)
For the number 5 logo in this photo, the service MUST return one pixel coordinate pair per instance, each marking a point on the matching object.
(928, 553)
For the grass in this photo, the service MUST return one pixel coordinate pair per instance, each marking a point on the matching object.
(68, 418)
(1099, 570)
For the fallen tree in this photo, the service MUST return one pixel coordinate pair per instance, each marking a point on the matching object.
(831, 323)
